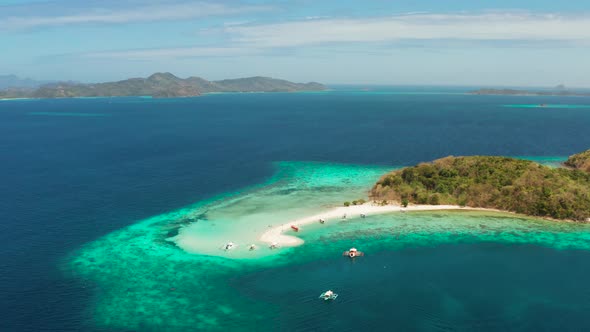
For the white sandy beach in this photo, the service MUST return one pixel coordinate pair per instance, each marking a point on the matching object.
(275, 234)
(8, 99)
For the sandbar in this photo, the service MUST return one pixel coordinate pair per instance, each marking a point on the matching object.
(275, 234)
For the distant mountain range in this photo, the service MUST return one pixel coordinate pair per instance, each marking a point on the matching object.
(160, 85)
(15, 82)
(559, 91)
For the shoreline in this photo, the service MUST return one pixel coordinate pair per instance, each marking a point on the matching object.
(152, 97)
(19, 98)
(275, 234)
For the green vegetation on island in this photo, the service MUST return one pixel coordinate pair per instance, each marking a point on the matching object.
(161, 85)
(508, 184)
(359, 201)
(579, 161)
(15, 93)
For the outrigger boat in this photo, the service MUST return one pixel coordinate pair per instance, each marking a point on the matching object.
(252, 247)
(328, 295)
(274, 245)
(352, 253)
(229, 246)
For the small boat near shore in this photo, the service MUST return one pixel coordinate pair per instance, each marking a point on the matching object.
(328, 295)
(352, 253)
(229, 246)
(295, 228)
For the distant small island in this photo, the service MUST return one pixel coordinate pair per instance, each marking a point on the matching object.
(160, 85)
(513, 92)
(502, 183)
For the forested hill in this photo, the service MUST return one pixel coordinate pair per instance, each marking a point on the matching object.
(580, 161)
(491, 182)
(161, 85)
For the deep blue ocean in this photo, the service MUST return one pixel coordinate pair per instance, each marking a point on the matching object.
(73, 170)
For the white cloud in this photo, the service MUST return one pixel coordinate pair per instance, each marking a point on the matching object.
(480, 27)
(154, 12)
(436, 30)
(182, 52)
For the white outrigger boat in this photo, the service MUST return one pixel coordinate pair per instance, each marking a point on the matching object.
(274, 245)
(328, 295)
(352, 253)
(229, 246)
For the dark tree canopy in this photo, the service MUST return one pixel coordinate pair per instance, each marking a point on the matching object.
(491, 182)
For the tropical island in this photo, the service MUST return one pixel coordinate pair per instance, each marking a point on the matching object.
(475, 183)
(160, 85)
(501, 183)
(559, 91)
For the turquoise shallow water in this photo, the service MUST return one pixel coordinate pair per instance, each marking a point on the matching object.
(144, 281)
(297, 190)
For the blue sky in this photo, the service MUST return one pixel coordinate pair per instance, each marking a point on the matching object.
(428, 42)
